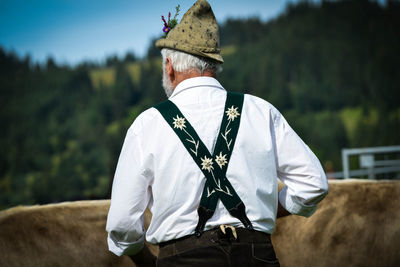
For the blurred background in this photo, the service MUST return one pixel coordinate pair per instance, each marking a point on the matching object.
(75, 74)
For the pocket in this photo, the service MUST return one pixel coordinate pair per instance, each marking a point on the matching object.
(265, 253)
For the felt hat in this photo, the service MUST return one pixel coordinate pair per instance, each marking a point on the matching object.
(197, 33)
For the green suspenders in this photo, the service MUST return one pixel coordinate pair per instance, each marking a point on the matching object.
(214, 167)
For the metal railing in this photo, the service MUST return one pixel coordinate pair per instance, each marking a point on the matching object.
(369, 166)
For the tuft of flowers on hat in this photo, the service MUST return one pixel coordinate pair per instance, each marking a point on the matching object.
(171, 22)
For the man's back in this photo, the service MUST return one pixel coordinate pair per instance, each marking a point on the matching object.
(175, 183)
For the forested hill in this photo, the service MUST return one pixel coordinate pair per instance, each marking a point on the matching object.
(311, 58)
(331, 69)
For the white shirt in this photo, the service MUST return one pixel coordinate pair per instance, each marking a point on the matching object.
(155, 170)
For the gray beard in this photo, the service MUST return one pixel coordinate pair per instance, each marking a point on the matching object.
(166, 83)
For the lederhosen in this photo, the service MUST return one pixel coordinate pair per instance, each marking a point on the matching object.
(214, 167)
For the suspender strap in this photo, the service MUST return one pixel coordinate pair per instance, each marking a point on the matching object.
(222, 154)
(214, 167)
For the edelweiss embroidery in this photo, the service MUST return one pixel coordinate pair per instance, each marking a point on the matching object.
(206, 164)
(221, 160)
(209, 193)
(218, 186)
(179, 122)
(232, 113)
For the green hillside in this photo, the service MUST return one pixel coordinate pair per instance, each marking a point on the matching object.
(105, 76)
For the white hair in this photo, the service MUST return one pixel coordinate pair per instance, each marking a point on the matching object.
(184, 62)
(166, 82)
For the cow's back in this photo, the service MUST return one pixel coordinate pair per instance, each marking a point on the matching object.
(357, 224)
(66, 234)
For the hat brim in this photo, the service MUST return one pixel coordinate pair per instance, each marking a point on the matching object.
(211, 53)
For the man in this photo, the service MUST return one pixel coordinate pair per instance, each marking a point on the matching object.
(211, 186)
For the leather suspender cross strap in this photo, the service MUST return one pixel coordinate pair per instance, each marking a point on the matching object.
(214, 167)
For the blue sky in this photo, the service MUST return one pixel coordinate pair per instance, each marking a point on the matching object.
(75, 30)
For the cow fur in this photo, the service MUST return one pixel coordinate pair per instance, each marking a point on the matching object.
(67, 234)
(357, 224)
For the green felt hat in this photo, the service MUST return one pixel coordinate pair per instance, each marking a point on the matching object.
(196, 34)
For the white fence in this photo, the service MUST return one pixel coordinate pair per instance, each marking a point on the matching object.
(368, 164)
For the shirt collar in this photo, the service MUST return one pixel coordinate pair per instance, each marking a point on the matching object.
(196, 82)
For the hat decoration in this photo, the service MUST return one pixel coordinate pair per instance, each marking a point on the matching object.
(171, 22)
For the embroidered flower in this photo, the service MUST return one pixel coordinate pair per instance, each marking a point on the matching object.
(232, 113)
(179, 122)
(221, 160)
(207, 164)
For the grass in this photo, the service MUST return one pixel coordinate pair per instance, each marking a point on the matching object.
(102, 77)
(228, 50)
(134, 71)
(350, 118)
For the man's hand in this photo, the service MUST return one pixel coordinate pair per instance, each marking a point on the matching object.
(281, 211)
(144, 258)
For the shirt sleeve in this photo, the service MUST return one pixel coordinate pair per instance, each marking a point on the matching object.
(129, 198)
(299, 169)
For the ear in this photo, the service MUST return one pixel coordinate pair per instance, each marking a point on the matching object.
(170, 70)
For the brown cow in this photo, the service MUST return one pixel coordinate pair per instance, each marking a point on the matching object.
(358, 224)
(68, 234)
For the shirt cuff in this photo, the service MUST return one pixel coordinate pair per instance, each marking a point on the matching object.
(124, 248)
(292, 205)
